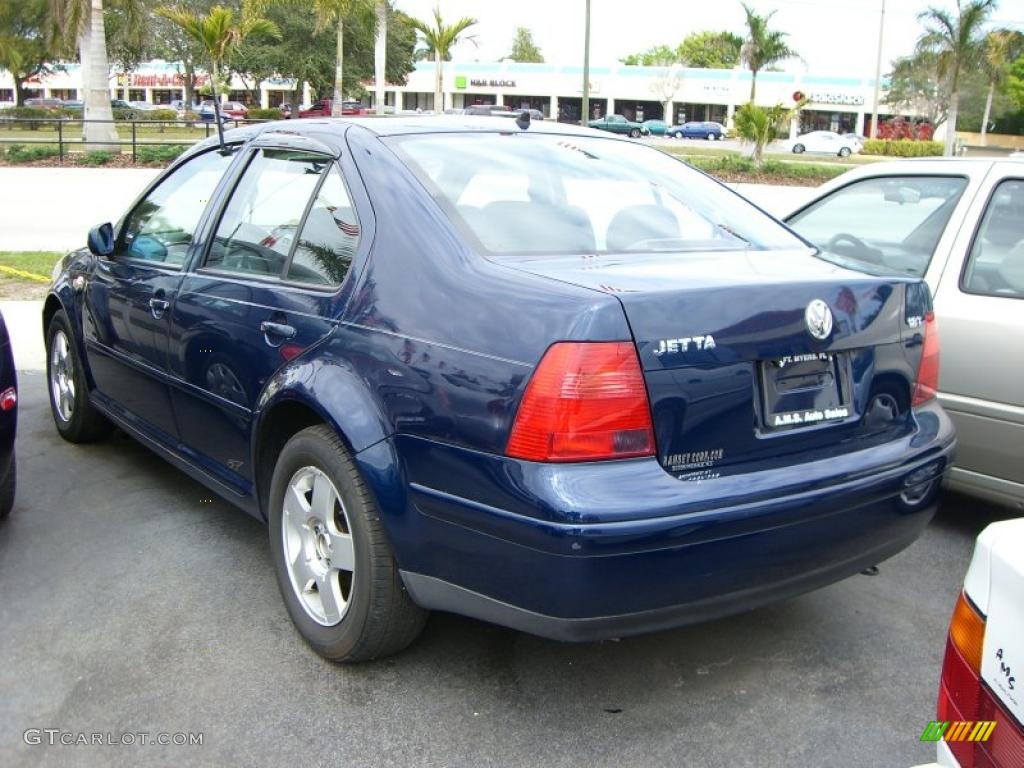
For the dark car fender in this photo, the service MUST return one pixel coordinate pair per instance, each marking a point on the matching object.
(63, 296)
(324, 388)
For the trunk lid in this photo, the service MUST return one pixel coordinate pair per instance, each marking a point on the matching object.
(733, 374)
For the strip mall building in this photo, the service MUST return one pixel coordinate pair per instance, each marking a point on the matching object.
(837, 103)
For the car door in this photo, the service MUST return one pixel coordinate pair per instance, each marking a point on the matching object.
(265, 289)
(980, 308)
(127, 298)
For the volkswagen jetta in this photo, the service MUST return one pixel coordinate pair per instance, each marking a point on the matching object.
(529, 373)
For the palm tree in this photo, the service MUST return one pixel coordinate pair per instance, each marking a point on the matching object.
(956, 42)
(760, 125)
(763, 47)
(439, 39)
(999, 49)
(380, 56)
(80, 25)
(218, 34)
(334, 12)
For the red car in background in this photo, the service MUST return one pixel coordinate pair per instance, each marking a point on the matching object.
(322, 108)
(236, 110)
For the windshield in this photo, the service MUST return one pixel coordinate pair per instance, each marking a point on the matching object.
(888, 225)
(540, 193)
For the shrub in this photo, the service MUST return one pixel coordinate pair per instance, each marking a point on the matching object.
(159, 153)
(265, 114)
(19, 153)
(903, 148)
(97, 157)
(35, 116)
(124, 113)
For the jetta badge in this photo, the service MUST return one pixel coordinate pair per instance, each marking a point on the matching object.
(819, 319)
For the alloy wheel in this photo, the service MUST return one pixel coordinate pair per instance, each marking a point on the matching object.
(317, 544)
(62, 376)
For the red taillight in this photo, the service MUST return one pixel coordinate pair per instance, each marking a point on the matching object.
(928, 370)
(8, 399)
(586, 401)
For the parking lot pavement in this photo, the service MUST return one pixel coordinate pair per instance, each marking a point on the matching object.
(132, 601)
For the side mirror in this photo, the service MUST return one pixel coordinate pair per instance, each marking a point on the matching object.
(101, 239)
(147, 248)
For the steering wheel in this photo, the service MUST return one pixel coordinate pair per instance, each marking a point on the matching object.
(860, 249)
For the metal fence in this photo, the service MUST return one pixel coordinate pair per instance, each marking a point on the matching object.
(61, 132)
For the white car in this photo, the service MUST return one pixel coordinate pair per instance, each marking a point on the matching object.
(980, 712)
(959, 224)
(825, 143)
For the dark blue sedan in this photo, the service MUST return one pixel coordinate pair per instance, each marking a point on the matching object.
(525, 372)
(698, 130)
(8, 421)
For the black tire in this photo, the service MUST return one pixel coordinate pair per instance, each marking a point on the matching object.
(712, 137)
(381, 618)
(7, 486)
(844, 152)
(679, 134)
(85, 424)
(634, 133)
(798, 149)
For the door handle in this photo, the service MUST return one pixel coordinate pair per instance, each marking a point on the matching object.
(276, 334)
(158, 306)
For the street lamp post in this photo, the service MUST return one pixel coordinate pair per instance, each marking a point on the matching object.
(585, 107)
(878, 74)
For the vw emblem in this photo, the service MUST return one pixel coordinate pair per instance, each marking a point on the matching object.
(819, 319)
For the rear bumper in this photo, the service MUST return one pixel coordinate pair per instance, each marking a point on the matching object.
(580, 552)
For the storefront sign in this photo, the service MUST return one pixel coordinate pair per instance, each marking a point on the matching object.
(175, 80)
(492, 83)
(836, 98)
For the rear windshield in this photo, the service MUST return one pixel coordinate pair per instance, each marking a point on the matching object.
(523, 193)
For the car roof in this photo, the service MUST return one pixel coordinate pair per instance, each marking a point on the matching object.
(405, 125)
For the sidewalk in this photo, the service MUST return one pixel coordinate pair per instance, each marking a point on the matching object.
(24, 321)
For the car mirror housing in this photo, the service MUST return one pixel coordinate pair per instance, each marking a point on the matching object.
(101, 239)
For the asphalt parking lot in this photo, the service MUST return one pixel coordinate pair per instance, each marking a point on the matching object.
(133, 601)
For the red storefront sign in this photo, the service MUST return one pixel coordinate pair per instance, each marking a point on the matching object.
(174, 80)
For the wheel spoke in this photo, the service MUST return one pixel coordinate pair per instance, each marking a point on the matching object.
(330, 597)
(304, 574)
(323, 498)
(296, 508)
(342, 552)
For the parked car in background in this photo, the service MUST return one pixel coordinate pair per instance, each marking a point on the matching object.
(145, 106)
(855, 137)
(44, 103)
(236, 110)
(980, 711)
(119, 104)
(698, 130)
(656, 127)
(207, 112)
(322, 108)
(824, 143)
(696, 416)
(73, 105)
(8, 421)
(959, 224)
(619, 124)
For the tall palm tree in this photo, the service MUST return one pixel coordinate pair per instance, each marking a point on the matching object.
(380, 56)
(763, 47)
(956, 41)
(218, 34)
(439, 39)
(80, 25)
(1000, 47)
(333, 13)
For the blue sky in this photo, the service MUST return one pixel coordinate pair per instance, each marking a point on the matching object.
(833, 36)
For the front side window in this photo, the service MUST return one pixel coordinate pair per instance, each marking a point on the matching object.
(258, 227)
(995, 265)
(160, 228)
(885, 225)
(522, 193)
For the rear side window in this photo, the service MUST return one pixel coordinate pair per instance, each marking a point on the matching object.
(887, 225)
(329, 237)
(995, 265)
(259, 225)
